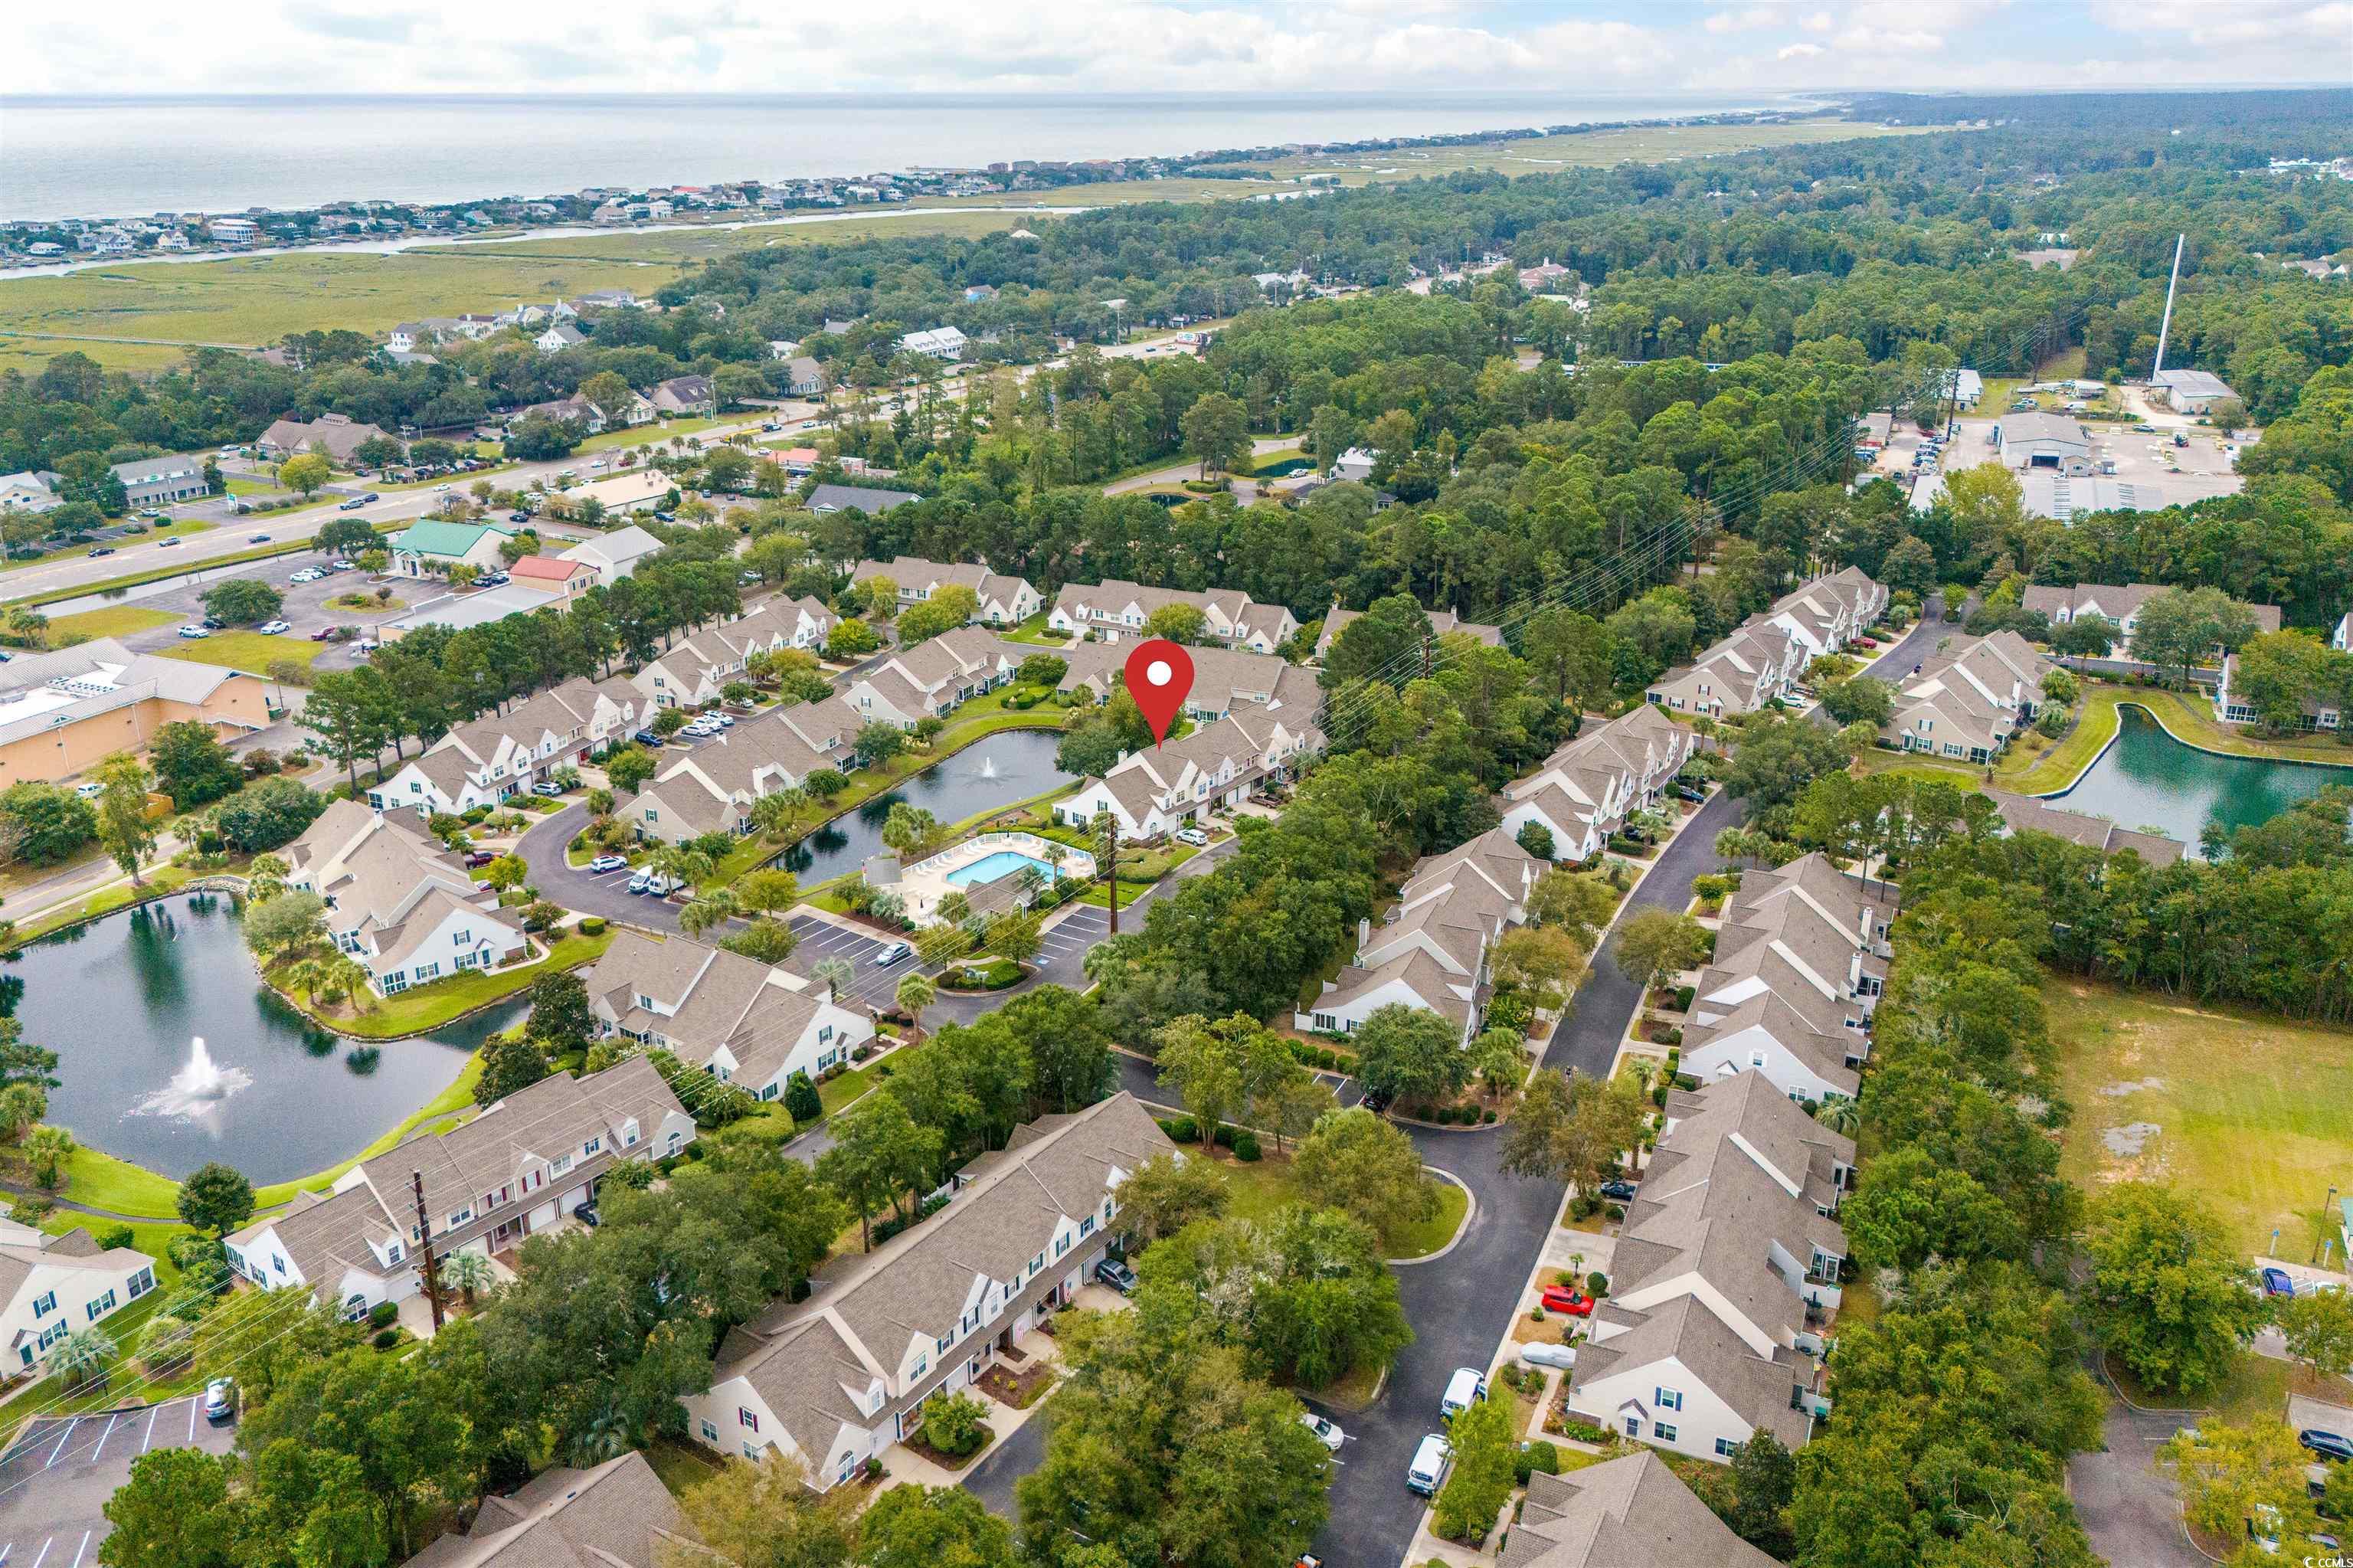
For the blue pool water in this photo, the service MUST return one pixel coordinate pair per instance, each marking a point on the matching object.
(1002, 863)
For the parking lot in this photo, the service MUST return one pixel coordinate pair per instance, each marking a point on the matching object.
(55, 1481)
(305, 610)
(822, 939)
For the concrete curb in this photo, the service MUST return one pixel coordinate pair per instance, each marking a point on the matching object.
(1469, 1214)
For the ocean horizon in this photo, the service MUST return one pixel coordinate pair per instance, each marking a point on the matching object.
(125, 156)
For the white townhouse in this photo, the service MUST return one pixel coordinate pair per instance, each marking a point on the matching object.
(1430, 950)
(1442, 623)
(1739, 674)
(837, 1379)
(778, 623)
(397, 901)
(1800, 960)
(52, 1286)
(1970, 698)
(617, 1515)
(934, 677)
(2118, 602)
(523, 1166)
(1225, 681)
(943, 343)
(1628, 1512)
(713, 787)
(1155, 789)
(1725, 1275)
(1005, 600)
(1585, 790)
(1826, 614)
(484, 760)
(693, 672)
(1116, 610)
(748, 1023)
(615, 554)
(2342, 638)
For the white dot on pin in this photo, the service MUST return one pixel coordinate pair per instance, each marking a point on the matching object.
(1158, 673)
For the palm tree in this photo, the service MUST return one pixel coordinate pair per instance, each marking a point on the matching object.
(837, 974)
(347, 975)
(83, 1358)
(916, 993)
(468, 1272)
(713, 908)
(21, 1105)
(1840, 1113)
(47, 1149)
(265, 879)
(306, 975)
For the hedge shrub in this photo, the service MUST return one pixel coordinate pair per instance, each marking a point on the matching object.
(1245, 1145)
(592, 925)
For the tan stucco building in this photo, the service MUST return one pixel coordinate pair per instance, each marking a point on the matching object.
(62, 712)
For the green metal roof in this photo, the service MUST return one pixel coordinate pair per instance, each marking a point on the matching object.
(431, 538)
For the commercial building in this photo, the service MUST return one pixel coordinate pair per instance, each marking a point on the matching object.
(2037, 441)
(615, 554)
(625, 494)
(337, 435)
(62, 712)
(2193, 392)
(431, 547)
(160, 481)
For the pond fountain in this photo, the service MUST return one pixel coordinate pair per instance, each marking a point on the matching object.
(196, 1089)
(1009, 765)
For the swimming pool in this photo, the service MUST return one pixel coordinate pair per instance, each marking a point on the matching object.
(996, 864)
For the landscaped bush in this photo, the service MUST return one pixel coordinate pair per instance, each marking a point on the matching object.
(592, 925)
(956, 1425)
(1181, 1129)
(1668, 1037)
(1597, 1285)
(1683, 995)
(1617, 1213)
(382, 1313)
(111, 1236)
(1582, 1432)
(1246, 1148)
(1538, 1457)
(1225, 1135)
(386, 1339)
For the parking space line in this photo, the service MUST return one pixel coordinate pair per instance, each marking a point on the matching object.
(45, 1551)
(192, 1418)
(103, 1436)
(61, 1441)
(80, 1549)
(148, 1441)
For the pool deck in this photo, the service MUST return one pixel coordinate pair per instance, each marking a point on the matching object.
(925, 884)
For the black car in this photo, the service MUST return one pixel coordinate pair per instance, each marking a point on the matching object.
(1618, 1191)
(102, 550)
(647, 737)
(2334, 1446)
(1116, 1275)
(518, 516)
(586, 1214)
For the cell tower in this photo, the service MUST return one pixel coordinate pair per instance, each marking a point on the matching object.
(2166, 326)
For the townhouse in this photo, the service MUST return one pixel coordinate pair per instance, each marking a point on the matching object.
(1967, 699)
(2118, 602)
(712, 789)
(1800, 959)
(1004, 601)
(1225, 681)
(616, 1515)
(1442, 623)
(397, 901)
(1153, 790)
(51, 1286)
(693, 671)
(1585, 790)
(838, 1378)
(2317, 709)
(933, 678)
(1724, 1275)
(1628, 1512)
(1753, 666)
(747, 1024)
(615, 554)
(523, 1166)
(1116, 610)
(486, 759)
(1826, 614)
(2025, 813)
(1430, 950)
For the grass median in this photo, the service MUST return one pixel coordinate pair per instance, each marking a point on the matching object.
(432, 1005)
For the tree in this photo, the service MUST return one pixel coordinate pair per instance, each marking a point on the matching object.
(1536, 839)
(915, 992)
(851, 639)
(1911, 1207)
(879, 1156)
(2228, 1473)
(1573, 1128)
(2087, 636)
(1213, 1068)
(48, 1149)
(48, 824)
(1179, 623)
(1217, 431)
(511, 1061)
(215, 1197)
(344, 536)
(767, 890)
(802, 1099)
(2179, 626)
(1765, 1480)
(84, 1359)
(1367, 1168)
(1859, 699)
(353, 711)
(1578, 904)
(908, 828)
(916, 1526)
(767, 941)
(948, 607)
(124, 827)
(764, 1514)
(1476, 1487)
(836, 974)
(241, 601)
(629, 767)
(265, 815)
(1069, 1048)
(286, 923)
(1164, 1195)
(561, 1017)
(305, 472)
(467, 1272)
(176, 1511)
(2319, 1327)
(1409, 1053)
(1547, 963)
(2169, 1293)
(1776, 761)
(1655, 943)
(878, 743)
(191, 765)
(612, 395)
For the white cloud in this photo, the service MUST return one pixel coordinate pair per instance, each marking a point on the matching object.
(1799, 51)
(1745, 20)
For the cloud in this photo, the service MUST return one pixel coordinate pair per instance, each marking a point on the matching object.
(1799, 51)
(1743, 20)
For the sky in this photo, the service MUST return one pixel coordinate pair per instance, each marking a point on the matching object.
(1738, 47)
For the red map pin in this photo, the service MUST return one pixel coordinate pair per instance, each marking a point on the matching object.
(1159, 674)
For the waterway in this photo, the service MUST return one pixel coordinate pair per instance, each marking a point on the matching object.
(2148, 779)
(120, 1001)
(1009, 765)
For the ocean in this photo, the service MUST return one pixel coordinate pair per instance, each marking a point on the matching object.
(132, 157)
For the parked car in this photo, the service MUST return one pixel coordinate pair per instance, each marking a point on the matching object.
(1561, 1299)
(194, 631)
(324, 634)
(1539, 1354)
(221, 1400)
(605, 863)
(274, 628)
(655, 883)
(1685, 792)
(518, 516)
(1193, 836)
(890, 953)
(647, 737)
(1116, 1275)
(1431, 1459)
(1327, 1432)
(1464, 1388)
(2333, 1447)
(1620, 1192)
(585, 1212)
(548, 788)
(2277, 1282)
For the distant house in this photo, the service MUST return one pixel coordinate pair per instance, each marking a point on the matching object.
(335, 434)
(486, 759)
(944, 343)
(566, 579)
(631, 492)
(802, 377)
(854, 497)
(430, 548)
(26, 491)
(1628, 1512)
(750, 1024)
(784, 348)
(2193, 392)
(615, 554)
(684, 394)
(2025, 813)
(52, 1286)
(617, 1515)
(1003, 600)
(159, 481)
(559, 337)
(2119, 603)
(1354, 466)
(1118, 609)
(399, 902)
(933, 678)
(1442, 623)
(2342, 638)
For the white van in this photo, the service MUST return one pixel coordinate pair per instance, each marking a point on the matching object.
(1465, 1388)
(1428, 1471)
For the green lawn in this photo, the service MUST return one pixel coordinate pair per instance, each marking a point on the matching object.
(241, 487)
(427, 1007)
(248, 651)
(114, 621)
(2251, 1113)
(1034, 630)
(1261, 1187)
(656, 435)
(158, 880)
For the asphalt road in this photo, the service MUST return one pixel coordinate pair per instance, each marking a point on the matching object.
(55, 1482)
(2132, 1513)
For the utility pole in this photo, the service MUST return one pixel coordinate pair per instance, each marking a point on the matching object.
(1110, 880)
(2166, 326)
(425, 1230)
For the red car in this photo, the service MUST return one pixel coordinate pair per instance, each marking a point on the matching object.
(1561, 1299)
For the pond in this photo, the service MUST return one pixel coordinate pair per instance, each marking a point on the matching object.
(123, 1001)
(1009, 765)
(2147, 778)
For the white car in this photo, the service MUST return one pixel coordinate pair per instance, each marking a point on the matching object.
(1193, 836)
(347, 566)
(273, 628)
(193, 630)
(1432, 1460)
(1327, 1432)
(168, 544)
(605, 863)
